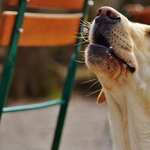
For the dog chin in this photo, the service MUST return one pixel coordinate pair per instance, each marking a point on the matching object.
(102, 60)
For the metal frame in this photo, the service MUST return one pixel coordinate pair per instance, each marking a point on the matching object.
(11, 56)
(9, 68)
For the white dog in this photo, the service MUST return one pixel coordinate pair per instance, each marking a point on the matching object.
(119, 55)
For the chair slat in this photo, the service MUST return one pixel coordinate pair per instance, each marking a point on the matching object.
(139, 15)
(41, 29)
(61, 4)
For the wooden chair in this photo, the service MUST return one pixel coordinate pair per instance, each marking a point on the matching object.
(20, 29)
(138, 13)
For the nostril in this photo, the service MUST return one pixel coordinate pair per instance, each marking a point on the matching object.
(112, 14)
(108, 12)
(98, 12)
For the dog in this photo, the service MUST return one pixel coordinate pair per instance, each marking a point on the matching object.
(119, 55)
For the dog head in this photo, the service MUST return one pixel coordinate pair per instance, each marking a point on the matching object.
(119, 51)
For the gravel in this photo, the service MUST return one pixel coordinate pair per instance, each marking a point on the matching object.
(86, 127)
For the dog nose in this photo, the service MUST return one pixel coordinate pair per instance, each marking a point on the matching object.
(108, 12)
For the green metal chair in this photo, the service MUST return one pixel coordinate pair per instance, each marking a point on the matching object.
(12, 25)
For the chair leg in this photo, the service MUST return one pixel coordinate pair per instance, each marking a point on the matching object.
(68, 88)
(5, 84)
(59, 127)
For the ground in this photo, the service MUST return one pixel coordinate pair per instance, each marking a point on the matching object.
(86, 127)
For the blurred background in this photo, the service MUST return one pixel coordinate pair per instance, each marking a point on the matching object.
(40, 72)
(39, 76)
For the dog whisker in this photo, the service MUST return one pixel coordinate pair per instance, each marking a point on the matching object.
(85, 22)
(81, 62)
(85, 25)
(93, 84)
(85, 35)
(76, 37)
(81, 43)
(88, 81)
(91, 93)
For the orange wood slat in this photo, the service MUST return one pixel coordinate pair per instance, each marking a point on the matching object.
(63, 4)
(41, 29)
(141, 17)
(138, 13)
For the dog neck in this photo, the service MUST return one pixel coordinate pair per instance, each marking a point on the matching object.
(130, 120)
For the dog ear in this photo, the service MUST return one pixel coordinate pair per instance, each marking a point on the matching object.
(101, 97)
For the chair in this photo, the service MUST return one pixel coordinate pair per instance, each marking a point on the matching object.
(18, 28)
(138, 13)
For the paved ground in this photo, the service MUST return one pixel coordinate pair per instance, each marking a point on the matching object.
(86, 127)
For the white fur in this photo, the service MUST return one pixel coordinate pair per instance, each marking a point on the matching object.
(130, 120)
(127, 94)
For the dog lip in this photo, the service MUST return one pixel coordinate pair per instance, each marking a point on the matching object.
(110, 52)
(100, 39)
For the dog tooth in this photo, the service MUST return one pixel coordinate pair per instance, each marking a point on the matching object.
(111, 47)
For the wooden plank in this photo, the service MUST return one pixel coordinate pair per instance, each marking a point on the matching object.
(138, 13)
(60, 4)
(41, 29)
(141, 17)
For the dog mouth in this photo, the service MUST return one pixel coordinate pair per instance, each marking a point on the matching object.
(102, 45)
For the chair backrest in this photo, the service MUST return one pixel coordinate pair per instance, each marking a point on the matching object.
(61, 4)
(43, 29)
